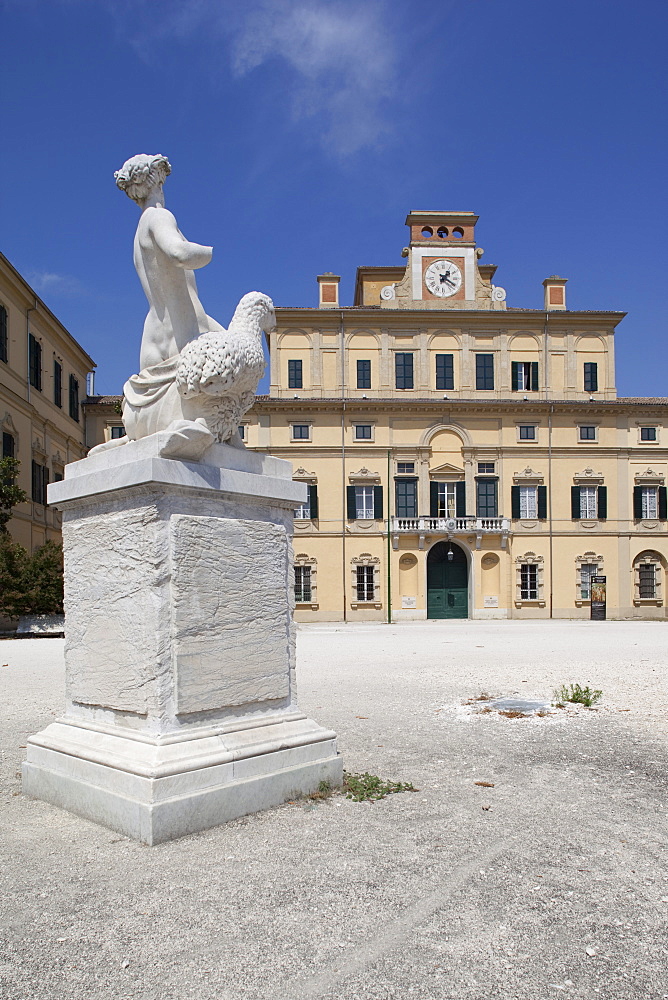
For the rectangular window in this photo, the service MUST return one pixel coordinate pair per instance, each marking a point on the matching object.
(445, 372)
(528, 501)
(405, 468)
(406, 497)
(301, 432)
(486, 468)
(527, 432)
(647, 580)
(486, 498)
(74, 398)
(590, 376)
(4, 346)
(649, 502)
(295, 380)
(8, 446)
(364, 503)
(365, 588)
(363, 374)
(648, 433)
(587, 570)
(40, 479)
(242, 431)
(35, 362)
(588, 503)
(302, 584)
(117, 432)
(446, 502)
(587, 433)
(484, 371)
(403, 369)
(529, 582)
(57, 383)
(362, 432)
(525, 376)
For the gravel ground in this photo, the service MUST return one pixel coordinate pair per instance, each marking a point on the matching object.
(553, 882)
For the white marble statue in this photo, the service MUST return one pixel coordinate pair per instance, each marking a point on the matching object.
(197, 379)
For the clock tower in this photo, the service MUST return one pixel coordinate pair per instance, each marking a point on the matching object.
(443, 269)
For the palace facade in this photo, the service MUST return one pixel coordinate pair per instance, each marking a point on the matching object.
(43, 378)
(461, 457)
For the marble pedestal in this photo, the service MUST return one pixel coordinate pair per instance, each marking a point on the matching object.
(181, 706)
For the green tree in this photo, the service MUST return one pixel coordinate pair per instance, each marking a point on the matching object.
(10, 493)
(30, 585)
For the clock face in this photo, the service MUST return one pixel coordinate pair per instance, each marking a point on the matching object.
(443, 278)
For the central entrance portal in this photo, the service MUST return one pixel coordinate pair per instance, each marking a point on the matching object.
(447, 582)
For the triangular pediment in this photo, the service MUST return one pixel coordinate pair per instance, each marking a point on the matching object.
(446, 470)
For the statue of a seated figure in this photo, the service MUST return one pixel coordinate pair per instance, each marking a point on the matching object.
(196, 379)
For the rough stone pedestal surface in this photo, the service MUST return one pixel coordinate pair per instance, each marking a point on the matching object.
(181, 706)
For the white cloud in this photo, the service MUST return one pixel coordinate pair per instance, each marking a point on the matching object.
(342, 60)
(339, 58)
(48, 282)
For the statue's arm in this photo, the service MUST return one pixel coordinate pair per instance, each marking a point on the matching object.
(166, 234)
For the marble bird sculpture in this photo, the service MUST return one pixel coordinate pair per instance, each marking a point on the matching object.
(226, 365)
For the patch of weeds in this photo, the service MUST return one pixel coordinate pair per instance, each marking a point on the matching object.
(484, 711)
(483, 696)
(514, 714)
(575, 694)
(323, 791)
(369, 787)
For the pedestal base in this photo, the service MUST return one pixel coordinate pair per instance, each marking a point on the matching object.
(158, 789)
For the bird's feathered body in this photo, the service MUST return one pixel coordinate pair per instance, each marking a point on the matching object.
(223, 367)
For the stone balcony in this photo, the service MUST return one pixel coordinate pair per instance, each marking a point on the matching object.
(450, 527)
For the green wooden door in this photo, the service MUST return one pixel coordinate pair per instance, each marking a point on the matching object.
(447, 582)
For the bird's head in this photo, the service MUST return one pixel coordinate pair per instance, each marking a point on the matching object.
(258, 307)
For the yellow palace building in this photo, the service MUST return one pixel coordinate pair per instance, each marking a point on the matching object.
(462, 458)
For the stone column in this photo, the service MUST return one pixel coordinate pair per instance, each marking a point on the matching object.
(181, 707)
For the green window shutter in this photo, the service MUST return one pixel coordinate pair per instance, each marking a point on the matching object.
(602, 503)
(637, 502)
(313, 501)
(378, 503)
(534, 375)
(460, 499)
(515, 500)
(433, 499)
(575, 502)
(351, 503)
(542, 503)
(515, 375)
(663, 504)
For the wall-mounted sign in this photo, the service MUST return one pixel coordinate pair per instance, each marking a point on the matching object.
(409, 602)
(491, 602)
(597, 609)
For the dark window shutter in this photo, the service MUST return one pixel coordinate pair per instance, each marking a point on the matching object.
(378, 503)
(602, 503)
(637, 502)
(663, 504)
(3, 334)
(313, 501)
(575, 502)
(515, 375)
(351, 503)
(515, 500)
(460, 499)
(534, 375)
(433, 499)
(35, 486)
(591, 376)
(542, 503)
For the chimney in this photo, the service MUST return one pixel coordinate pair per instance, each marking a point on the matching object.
(555, 293)
(328, 288)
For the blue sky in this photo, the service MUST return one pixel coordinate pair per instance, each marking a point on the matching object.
(300, 134)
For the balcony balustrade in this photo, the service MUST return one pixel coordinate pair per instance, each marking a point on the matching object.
(451, 527)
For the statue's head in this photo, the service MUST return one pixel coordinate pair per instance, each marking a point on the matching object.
(140, 174)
